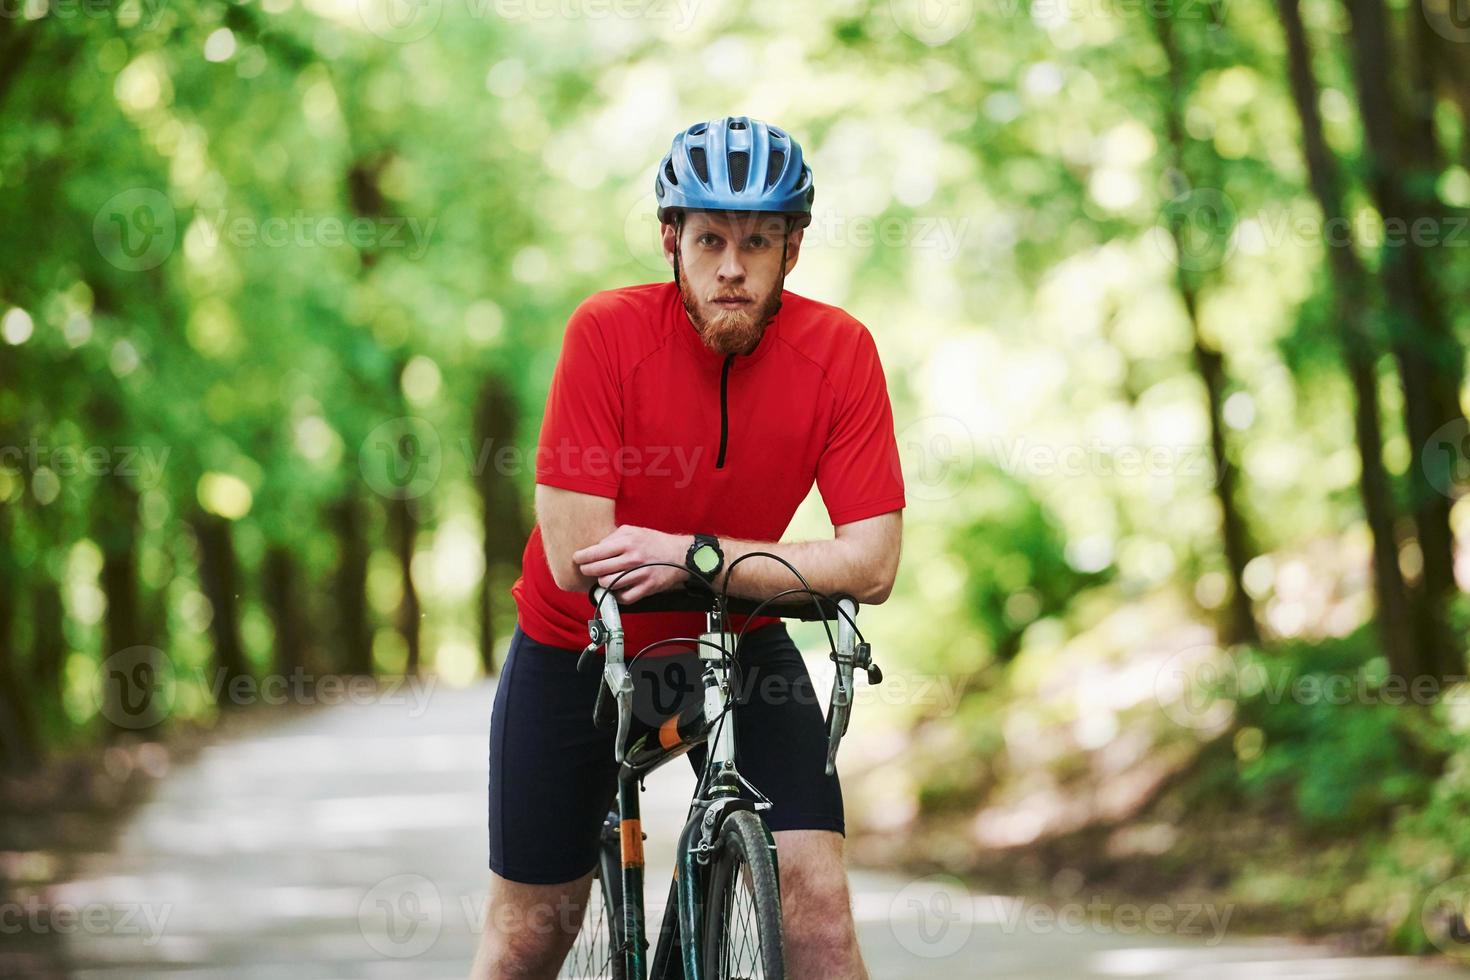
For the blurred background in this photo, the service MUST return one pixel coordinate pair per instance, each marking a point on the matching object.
(1171, 297)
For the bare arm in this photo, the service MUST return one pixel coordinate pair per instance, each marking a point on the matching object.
(862, 560)
(570, 520)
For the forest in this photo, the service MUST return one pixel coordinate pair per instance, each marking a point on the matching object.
(1172, 304)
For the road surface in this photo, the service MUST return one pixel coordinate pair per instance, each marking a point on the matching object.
(348, 842)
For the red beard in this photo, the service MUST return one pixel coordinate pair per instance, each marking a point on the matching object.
(731, 331)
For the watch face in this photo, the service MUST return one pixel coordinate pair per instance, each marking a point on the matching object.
(706, 559)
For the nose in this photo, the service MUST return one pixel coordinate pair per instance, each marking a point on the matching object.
(731, 269)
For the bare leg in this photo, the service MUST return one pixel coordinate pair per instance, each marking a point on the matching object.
(816, 907)
(529, 928)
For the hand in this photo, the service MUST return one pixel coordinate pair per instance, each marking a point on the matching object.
(629, 546)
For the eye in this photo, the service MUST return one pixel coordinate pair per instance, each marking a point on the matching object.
(757, 242)
(708, 240)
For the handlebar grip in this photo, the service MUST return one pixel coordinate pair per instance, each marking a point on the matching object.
(605, 711)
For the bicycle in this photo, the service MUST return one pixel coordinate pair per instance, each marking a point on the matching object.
(725, 879)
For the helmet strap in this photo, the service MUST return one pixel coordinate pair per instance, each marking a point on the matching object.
(678, 236)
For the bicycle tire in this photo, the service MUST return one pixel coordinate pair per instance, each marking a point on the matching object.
(596, 953)
(742, 928)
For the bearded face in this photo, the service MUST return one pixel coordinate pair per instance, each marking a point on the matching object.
(731, 274)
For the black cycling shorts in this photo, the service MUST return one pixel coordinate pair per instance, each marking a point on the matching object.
(553, 777)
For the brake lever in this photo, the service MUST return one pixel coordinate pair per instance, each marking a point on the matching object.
(607, 630)
(840, 710)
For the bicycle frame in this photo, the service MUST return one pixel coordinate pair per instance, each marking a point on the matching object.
(718, 795)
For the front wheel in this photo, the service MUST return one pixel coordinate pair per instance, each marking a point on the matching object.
(742, 926)
(597, 953)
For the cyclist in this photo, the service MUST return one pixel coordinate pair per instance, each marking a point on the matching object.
(685, 423)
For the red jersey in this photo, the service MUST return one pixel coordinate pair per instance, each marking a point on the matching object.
(686, 440)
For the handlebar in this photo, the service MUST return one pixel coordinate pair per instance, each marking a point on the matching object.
(809, 609)
(615, 695)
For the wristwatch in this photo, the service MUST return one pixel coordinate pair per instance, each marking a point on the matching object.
(704, 557)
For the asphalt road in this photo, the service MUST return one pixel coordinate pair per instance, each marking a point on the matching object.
(348, 843)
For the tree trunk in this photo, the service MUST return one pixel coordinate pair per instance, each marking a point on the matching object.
(48, 650)
(283, 591)
(1350, 301)
(505, 530)
(1240, 626)
(354, 629)
(404, 528)
(220, 580)
(18, 743)
(1430, 361)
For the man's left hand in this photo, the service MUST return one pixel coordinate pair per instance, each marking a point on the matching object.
(629, 546)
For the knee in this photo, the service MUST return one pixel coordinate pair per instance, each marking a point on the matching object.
(820, 919)
(529, 941)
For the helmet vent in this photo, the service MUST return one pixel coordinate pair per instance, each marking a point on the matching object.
(737, 124)
(739, 170)
(669, 173)
(773, 167)
(699, 163)
(698, 130)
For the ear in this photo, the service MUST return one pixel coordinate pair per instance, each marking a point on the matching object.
(670, 235)
(793, 249)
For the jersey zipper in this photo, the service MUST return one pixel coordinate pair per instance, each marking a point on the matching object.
(724, 410)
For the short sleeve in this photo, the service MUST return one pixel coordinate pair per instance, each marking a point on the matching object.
(581, 432)
(859, 474)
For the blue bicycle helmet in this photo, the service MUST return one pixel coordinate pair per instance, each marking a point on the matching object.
(734, 164)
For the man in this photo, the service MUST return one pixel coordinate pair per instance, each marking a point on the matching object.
(692, 416)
